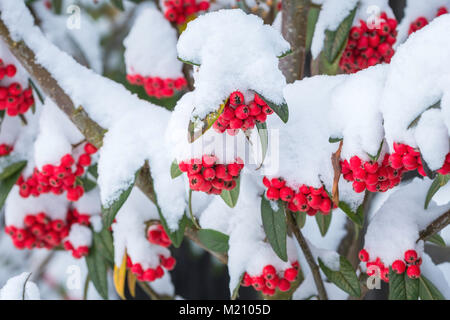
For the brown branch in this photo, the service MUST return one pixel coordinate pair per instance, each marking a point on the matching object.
(435, 226)
(294, 28)
(308, 255)
(89, 128)
(336, 162)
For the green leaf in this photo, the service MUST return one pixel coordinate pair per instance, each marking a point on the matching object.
(236, 290)
(12, 169)
(7, 184)
(214, 240)
(57, 6)
(335, 41)
(93, 170)
(284, 54)
(35, 88)
(189, 62)
(334, 140)
(430, 173)
(281, 110)
(438, 182)
(274, 224)
(197, 127)
(323, 221)
(109, 213)
(175, 236)
(300, 218)
(427, 290)
(313, 16)
(375, 157)
(231, 196)
(357, 217)
(103, 241)
(97, 269)
(345, 278)
(118, 4)
(401, 287)
(263, 135)
(87, 184)
(175, 170)
(414, 123)
(436, 239)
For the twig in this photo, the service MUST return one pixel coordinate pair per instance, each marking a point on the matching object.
(308, 255)
(435, 226)
(194, 220)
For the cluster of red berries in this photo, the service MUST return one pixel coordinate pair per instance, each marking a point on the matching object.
(40, 231)
(421, 22)
(371, 175)
(238, 115)
(177, 11)
(15, 100)
(208, 176)
(369, 45)
(57, 179)
(73, 217)
(411, 264)
(308, 199)
(158, 236)
(407, 158)
(5, 149)
(158, 87)
(271, 279)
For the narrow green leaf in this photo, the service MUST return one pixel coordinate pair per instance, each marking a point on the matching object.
(300, 218)
(175, 170)
(109, 213)
(375, 157)
(176, 236)
(118, 4)
(335, 41)
(7, 184)
(334, 140)
(104, 243)
(189, 62)
(345, 278)
(427, 290)
(438, 182)
(231, 196)
(93, 170)
(401, 287)
(281, 110)
(437, 239)
(214, 240)
(274, 224)
(263, 135)
(313, 16)
(97, 269)
(12, 169)
(38, 92)
(197, 127)
(284, 54)
(357, 217)
(87, 184)
(323, 221)
(57, 6)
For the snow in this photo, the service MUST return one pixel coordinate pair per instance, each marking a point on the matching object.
(436, 275)
(236, 51)
(395, 227)
(150, 47)
(80, 235)
(89, 203)
(14, 289)
(129, 232)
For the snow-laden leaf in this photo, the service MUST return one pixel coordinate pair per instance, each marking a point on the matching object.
(437, 239)
(87, 183)
(109, 213)
(334, 140)
(313, 16)
(438, 182)
(198, 127)
(57, 6)
(336, 40)
(175, 236)
(300, 218)
(274, 223)
(231, 196)
(119, 276)
(345, 278)
(214, 240)
(427, 290)
(175, 170)
(375, 157)
(97, 270)
(323, 221)
(93, 170)
(414, 123)
(281, 110)
(263, 135)
(401, 287)
(103, 241)
(12, 169)
(8, 183)
(189, 62)
(236, 290)
(357, 217)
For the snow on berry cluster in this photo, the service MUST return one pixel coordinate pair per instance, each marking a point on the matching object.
(271, 279)
(5, 149)
(308, 199)
(60, 178)
(369, 44)
(180, 11)
(155, 235)
(421, 22)
(371, 175)
(151, 56)
(239, 115)
(410, 263)
(158, 87)
(41, 231)
(207, 175)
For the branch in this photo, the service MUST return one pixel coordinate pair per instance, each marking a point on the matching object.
(308, 255)
(435, 226)
(294, 28)
(91, 130)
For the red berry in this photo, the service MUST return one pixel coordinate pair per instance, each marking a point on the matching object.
(363, 255)
(398, 266)
(209, 174)
(413, 272)
(286, 194)
(234, 169)
(84, 160)
(236, 98)
(242, 112)
(410, 256)
(89, 148)
(290, 274)
(273, 194)
(284, 285)
(269, 272)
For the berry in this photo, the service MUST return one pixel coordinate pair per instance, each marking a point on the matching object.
(413, 272)
(284, 285)
(363, 255)
(290, 274)
(269, 272)
(410, 256)
(398, 266)
(273, 194)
